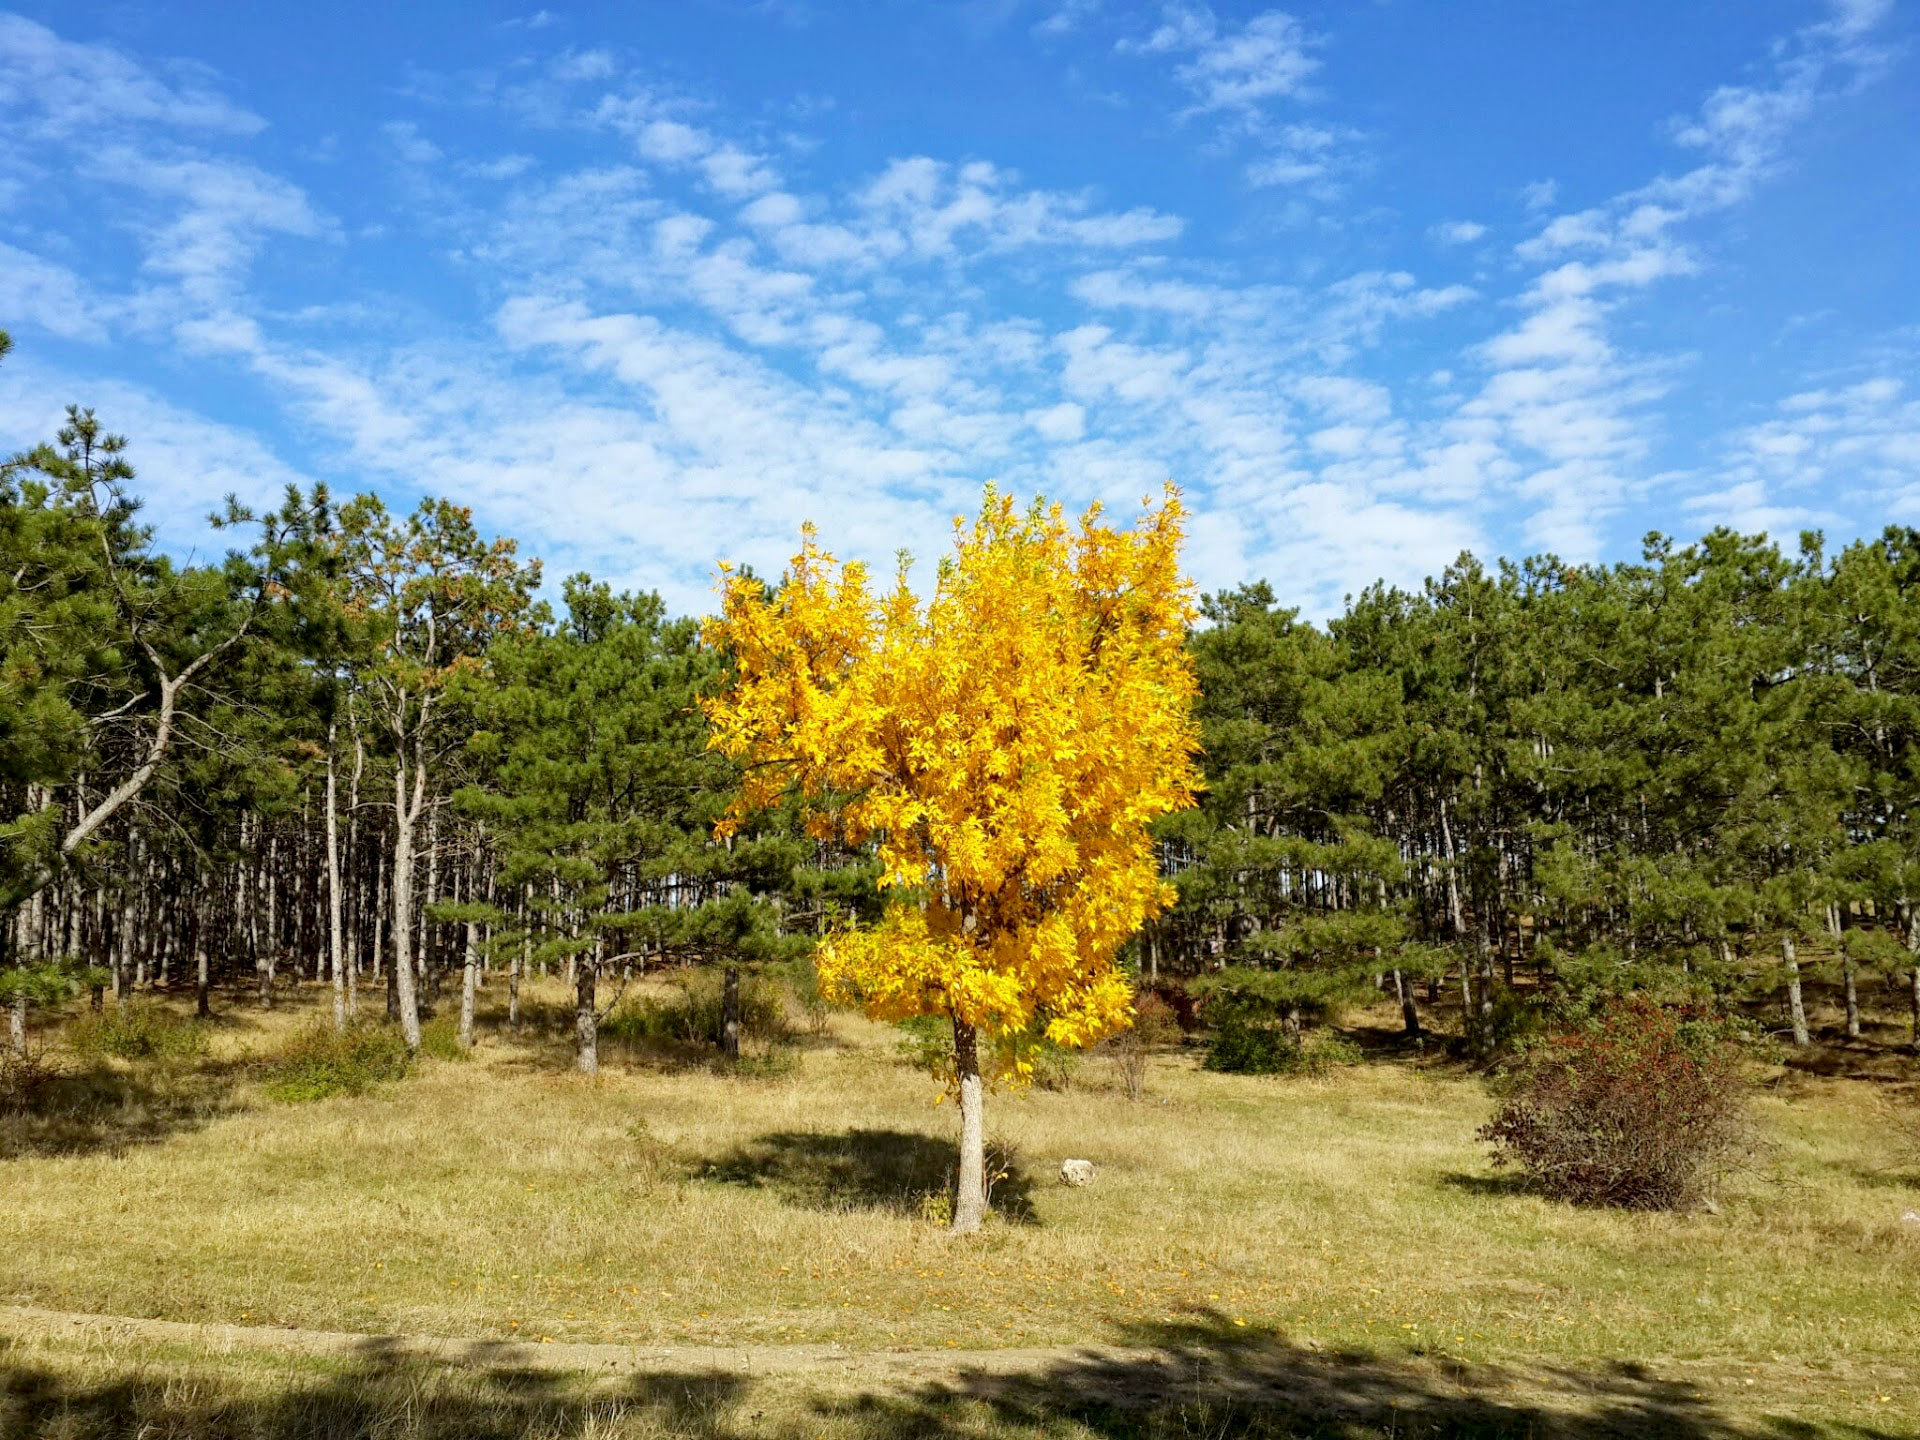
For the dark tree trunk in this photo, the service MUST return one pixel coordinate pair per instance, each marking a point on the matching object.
(1409, 1005)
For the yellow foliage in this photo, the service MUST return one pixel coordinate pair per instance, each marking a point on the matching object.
(1004, 747)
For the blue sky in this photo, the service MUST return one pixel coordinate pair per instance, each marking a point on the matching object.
(649, 285)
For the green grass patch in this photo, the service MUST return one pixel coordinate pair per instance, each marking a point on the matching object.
(138, 1030)
(1247, 1047)
(320, 1062)
(440, 1039)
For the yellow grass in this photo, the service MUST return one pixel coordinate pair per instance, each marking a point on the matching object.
(507, 1197)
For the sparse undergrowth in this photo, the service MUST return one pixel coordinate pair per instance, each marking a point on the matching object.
(139, 1030)
(508, 1197)
(319, 1062)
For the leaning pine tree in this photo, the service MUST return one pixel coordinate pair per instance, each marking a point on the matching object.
(1004, 747)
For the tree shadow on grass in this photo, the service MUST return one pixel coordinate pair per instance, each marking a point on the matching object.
(864, 1169)
(381, 1390)
(106, 1109)
(1202, 1376)
(1206, 1376)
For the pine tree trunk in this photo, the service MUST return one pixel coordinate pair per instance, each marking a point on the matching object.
(17, 1026)
(272, 958)
(1409, 1005)
(336, 939)
(401, 996)
(1485, 979)
(201, 980)
(1913, 948)
(1796, 1010)
(970, 1193)
(586, 1019)
(517, 968)
(468, 980)
(730, 1014)
(1848, 979)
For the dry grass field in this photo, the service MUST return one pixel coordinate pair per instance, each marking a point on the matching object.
(1342, 1242)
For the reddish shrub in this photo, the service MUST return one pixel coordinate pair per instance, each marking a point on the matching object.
(1640, 1109)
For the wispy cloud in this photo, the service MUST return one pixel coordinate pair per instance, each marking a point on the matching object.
(56, 89)
(1568, 403)
(1458, 232)
(1236, 70)
(675, 339)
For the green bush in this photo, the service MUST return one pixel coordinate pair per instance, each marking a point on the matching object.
(440, 1039)
(1243, 1045)
(321, 1061)
(695, 1013)
(139, 1030)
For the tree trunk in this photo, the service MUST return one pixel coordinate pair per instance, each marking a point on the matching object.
(1409, 1004)
(1485, 979)
(336, 939)
(401, 996)
(200, 980)
(468, 979)
(1913, 948)
(586, 1019)
(730, 1014)
(517, 968)
(1795, 1008)
(17, 1026)
(1851, 984)
(970, 1192)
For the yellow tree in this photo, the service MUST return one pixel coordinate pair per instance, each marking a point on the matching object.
(1004, 746)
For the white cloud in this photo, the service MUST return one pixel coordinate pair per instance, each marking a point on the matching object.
(1564, 401)
(409, 144)
(1062, 423)
(693, 348)
(74, 91)
(1233, 69)
(1855, 440)
(36, 291)
(185, 464)
(1067, 17)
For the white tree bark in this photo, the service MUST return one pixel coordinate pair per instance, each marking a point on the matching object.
(336, 939)
(1796, 1009)
(970, 1193)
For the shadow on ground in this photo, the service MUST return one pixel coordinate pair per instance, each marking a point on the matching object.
(107, 1109)
(863, 1169)
(1200, 1378)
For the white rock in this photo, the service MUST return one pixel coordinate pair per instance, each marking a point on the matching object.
(1076, 1172)
(1911, 1217)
